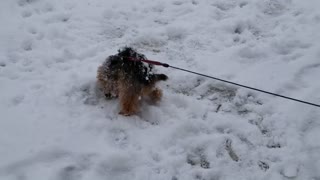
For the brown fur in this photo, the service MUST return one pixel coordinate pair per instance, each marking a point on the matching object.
(127, 80)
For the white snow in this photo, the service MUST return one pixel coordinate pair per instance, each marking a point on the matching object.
(54, 124)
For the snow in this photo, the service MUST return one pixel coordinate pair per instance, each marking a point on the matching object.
(55, 125)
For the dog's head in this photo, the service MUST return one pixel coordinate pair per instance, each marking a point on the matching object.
(127, 52)
(128, 60)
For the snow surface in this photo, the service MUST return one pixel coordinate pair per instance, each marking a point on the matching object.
(54, 124)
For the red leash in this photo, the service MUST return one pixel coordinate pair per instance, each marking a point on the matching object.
(149, 62)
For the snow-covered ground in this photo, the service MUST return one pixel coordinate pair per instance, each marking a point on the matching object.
(55, 126)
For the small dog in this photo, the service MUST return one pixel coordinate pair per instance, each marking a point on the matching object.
(124, 76)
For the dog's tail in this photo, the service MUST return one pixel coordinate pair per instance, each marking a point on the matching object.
(158, 77)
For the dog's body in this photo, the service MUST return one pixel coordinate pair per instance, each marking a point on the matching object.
(124, 76)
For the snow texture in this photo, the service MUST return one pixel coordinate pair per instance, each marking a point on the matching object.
(55, 125)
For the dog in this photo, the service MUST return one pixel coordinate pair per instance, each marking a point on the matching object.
(126, 77)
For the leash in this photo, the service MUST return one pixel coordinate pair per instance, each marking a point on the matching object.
(218, 79)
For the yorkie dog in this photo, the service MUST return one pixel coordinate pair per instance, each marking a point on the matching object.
(126, 77)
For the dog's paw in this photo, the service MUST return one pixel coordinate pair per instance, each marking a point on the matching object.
(110, 96)
(125, 113)
(156, 95)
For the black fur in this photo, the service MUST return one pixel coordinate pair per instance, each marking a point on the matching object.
(134, 70)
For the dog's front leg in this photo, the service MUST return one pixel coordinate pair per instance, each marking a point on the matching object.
(129, 100)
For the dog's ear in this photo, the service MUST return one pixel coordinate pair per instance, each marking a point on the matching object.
(159, 77)
(162, 77)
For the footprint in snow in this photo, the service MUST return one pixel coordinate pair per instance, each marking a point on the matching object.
(47, 8)
(77, 165)
(224, 5)
(57, 18)
(26, 13)
(274, 7)
(70, 172)
(177, 3)
(17, 100)
(76, 170)
(27, 45)
(26, 2)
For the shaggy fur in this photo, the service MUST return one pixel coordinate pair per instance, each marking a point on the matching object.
(128, 80)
